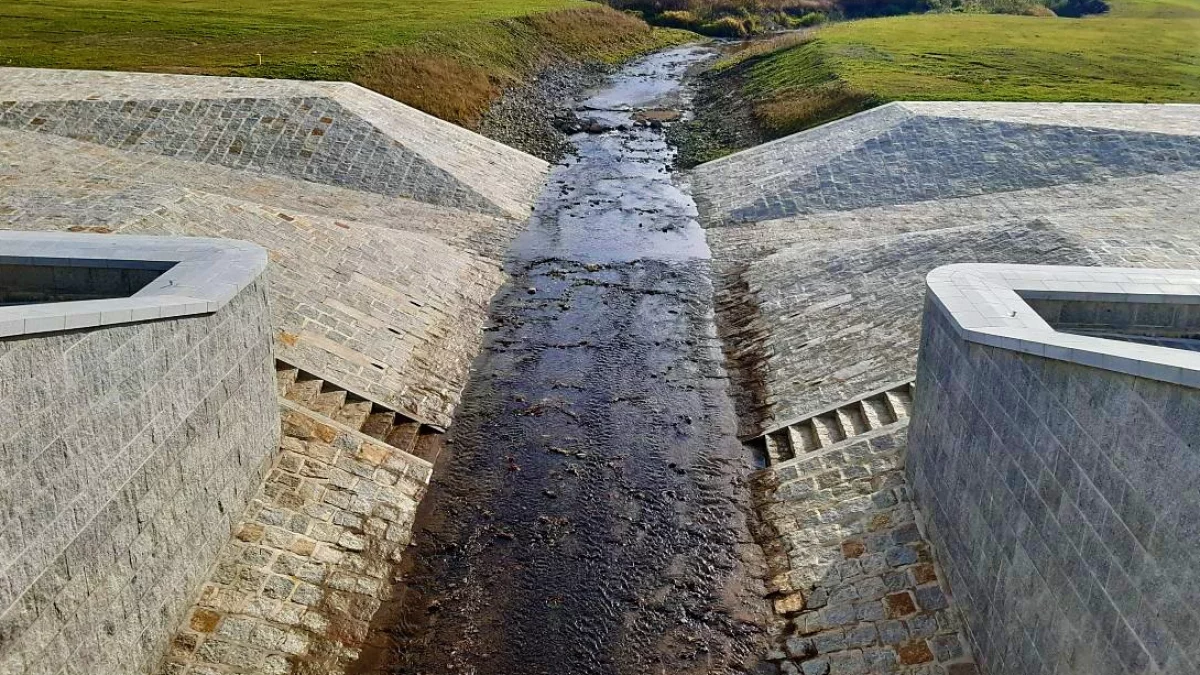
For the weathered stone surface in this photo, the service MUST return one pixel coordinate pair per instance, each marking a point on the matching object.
(852, 545)
(507, 178)
(310, 138)
(814, 236)
(905, 153)
(313, 560)
(127, 452)
(822, 324)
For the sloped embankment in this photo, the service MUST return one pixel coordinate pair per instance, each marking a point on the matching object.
(1141, 51)
(472, 69)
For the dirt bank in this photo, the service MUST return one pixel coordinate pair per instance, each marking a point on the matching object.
(723, 121)
(531, 116)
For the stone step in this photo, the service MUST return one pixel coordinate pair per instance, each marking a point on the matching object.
(804, 437)
(328, 402)
(304, 392)
(877, 411)
(829, 429)
(853, 421)
(354, 413)
(404, 436)
(900, 402)
(779, 446)
(352, 410)
(843, 423)
(379, 424)
(284, 377)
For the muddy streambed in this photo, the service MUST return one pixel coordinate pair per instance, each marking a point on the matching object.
(589, 514)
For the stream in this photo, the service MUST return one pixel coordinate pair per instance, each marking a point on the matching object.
(589, 513)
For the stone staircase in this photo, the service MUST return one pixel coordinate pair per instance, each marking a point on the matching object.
(828, 428)
(330, 401)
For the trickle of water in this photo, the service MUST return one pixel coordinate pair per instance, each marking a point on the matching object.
(590, 514)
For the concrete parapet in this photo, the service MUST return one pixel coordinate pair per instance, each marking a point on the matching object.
(1058, 470)
(130, 445)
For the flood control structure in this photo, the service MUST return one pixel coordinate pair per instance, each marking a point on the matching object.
(1053, 447)
(140, 416)
(234, 317)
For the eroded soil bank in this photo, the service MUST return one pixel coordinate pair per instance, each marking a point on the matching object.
(590, 512)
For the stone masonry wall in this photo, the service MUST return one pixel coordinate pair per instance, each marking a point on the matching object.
(851, 569)
(1065, 498)
(311, 561)
(128, 452)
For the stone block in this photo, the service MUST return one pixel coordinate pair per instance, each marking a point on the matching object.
(815, 667)
(914, 652)
(900, 605)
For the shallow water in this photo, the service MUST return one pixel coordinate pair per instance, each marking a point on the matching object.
(589, 514)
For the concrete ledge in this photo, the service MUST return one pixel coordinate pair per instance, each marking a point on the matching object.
(200, 276)
(986, 304)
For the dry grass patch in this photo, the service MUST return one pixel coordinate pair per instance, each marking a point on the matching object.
(457, 75)
(439, 85)
(799, 110)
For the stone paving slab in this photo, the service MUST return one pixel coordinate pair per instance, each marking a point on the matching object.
(820, 325)
(852, 570)
(358, 304)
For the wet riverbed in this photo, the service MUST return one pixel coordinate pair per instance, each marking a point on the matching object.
(589, 514)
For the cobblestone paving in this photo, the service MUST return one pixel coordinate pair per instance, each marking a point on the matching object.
(851, 568)
(309, 565)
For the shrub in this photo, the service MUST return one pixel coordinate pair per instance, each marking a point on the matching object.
(1038, 10)
(726, 27)
(678, 19)
(810, 19)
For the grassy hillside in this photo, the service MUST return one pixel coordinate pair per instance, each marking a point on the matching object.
(1140, 51)
(392, 45)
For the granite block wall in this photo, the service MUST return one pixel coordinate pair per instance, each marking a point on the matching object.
(312, 560)
(1064, 500)
(850, 569)
(127, 453)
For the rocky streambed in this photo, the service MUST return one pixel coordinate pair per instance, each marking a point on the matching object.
(590, 513)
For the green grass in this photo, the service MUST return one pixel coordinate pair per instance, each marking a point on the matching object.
(1140, 51)
(400, 47)
(297, 38)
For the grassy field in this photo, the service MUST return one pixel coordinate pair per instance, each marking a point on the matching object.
(392, 45)
(1140, 51)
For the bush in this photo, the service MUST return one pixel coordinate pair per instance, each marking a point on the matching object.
(810, 19)
(1077, 8)
(678, 19)
(1038, 10)
(726, 27)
